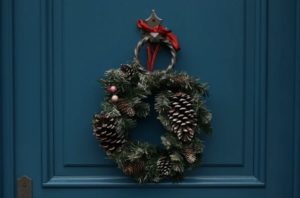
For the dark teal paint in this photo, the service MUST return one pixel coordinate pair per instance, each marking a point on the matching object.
(7, 174)
(52, 53)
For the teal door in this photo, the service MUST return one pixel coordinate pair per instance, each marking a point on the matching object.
(54, 51)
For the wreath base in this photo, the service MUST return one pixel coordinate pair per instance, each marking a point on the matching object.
(179, 102)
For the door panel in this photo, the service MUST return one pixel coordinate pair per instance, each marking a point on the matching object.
(61, 48)
(83, 50)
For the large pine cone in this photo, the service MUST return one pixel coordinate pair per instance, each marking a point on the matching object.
(104, 128)
(182, 116)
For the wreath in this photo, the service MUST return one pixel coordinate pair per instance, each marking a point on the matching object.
(179, 103)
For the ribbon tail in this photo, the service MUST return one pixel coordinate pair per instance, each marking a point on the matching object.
(154, 55)
(174, 41)
(149, 58)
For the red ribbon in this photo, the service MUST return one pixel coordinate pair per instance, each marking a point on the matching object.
(162, 31)
(152, 53)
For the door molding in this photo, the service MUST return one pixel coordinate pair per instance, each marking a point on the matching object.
(297, 105)
(7, 168)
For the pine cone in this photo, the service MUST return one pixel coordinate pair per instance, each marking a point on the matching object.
(190, 155)
(134, 168)
(179, 79)
(164, 166)
(182, 116)
(124, 107)
(127, 70)
(104, 128)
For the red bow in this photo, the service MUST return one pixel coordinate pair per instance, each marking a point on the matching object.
(162, 31)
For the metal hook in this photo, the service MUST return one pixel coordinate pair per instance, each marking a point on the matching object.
(153, 20)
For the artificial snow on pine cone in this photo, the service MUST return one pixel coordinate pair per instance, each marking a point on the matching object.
(182, 116)
(127, 71)
(134, 168)
(104, 128)
(190, 155)
(124, 107)
(164, 166)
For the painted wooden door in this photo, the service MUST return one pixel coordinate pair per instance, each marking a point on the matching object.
(54, 51)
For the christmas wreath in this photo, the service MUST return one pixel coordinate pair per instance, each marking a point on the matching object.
(179, 103)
